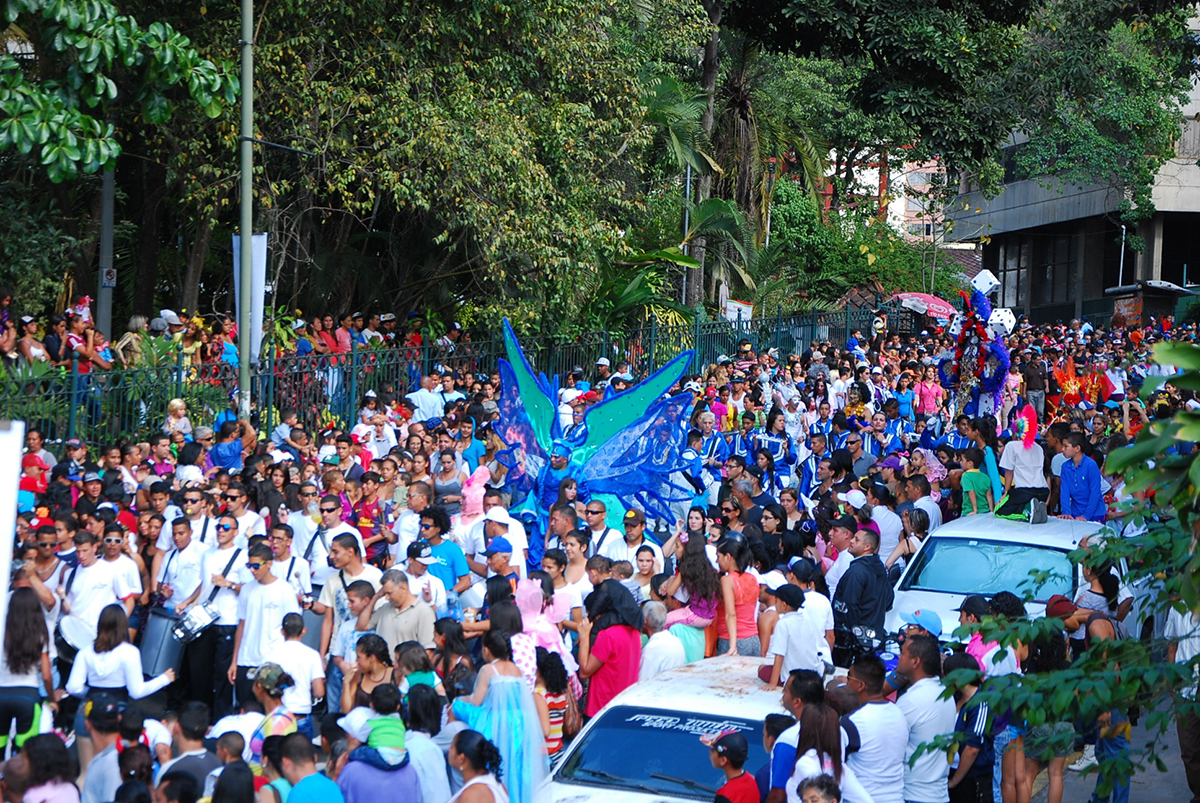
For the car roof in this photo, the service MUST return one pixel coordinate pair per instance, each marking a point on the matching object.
(1054, 532)
(727, 686)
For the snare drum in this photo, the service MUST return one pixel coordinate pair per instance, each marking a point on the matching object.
(71, 636)
(195, 622)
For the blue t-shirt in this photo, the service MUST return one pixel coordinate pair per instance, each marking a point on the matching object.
(472, 454)
(451, 565)
(316, 788)
(303, 347)
(227, 455)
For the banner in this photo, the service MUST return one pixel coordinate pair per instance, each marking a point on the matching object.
(258, 283)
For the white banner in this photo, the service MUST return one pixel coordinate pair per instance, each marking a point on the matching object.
(258, 283)
(12, 438)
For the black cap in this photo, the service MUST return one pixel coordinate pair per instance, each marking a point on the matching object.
(975, 605)
(104, 711)
(732, 746)
(791, 595)
(803, 570)
(754, 471)
(846, 521)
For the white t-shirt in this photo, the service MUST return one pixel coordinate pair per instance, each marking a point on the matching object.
(129, 571)
(295, 570)
(204, 531)
(617, 549)
(601, 539)
(1025, 464)
(934, 512)
(261, 608)
(407, 528)
(810, 765)
(928, 718)
(304, 664)
(30, 680)
(890, 528)
(226, 600)
(181, 571)
(1184, 629)
(818, 608)
(245, 724)
(797, 640)
(93, 588)
(878, 741)
(835, 572)
(250, 523)
(1056, 464)
(164, 542)
(661, 652)
(318, 556)
(437, 590)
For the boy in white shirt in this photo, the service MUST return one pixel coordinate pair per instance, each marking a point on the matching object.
(305, 666)
(795, 644)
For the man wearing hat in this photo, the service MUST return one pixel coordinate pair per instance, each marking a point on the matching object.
(33, 474)
(424, 585)
(102, 713)
(627, 548)
(304, 346)
(728, 752)
(499, 551)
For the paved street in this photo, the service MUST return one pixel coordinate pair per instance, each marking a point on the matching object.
(1149, 786)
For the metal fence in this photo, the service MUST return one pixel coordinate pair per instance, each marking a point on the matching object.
(107, 407)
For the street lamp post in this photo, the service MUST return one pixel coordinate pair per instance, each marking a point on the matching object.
(246, 226)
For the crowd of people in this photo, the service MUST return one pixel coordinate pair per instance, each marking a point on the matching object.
(367, 589)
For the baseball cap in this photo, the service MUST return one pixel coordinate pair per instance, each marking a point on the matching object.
(791, 595)
(387, 317)
(298, 324)
(172, 319)
(803, 569)
(926, 619)
(422, 552)
(730, 744)
(498, 515)
(892, 462)
(456, 327)
(772, 580)
(498, 546)
(693, 387)
(91, 476)
(855, 498)
(158, 325)
(635, 516)
(356, 723)
(28, 319)
(590, 396)
(846, 522)
(33, 460)
(330, 459)
(975, 605)
(1059, 607)
(603, 361)
(104, 711)
(74, 443)
(271, 677)
(754, 470)
(877, 370)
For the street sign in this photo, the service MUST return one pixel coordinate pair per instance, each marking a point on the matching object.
(108, 277)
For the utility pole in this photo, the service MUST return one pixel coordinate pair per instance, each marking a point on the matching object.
(108, 276)
(246, 226)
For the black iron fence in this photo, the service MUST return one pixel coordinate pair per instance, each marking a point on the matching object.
(104, 407)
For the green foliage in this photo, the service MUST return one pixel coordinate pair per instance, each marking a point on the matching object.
(33, 250)
(68, 63)
(1107, 108)
(814, 262)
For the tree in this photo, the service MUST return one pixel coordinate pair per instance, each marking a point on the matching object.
(69, 63)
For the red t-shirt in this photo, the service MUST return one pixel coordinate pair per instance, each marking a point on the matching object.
(367, 520)
(77, 344)
(619, 648)
(741, 789)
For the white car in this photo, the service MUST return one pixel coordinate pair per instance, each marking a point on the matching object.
(984, 555)
(645, 745)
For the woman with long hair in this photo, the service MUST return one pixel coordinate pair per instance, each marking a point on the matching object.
(1104, 593)
(780, 449)
(554, 563)
(697, 586)
(448, 482)
(452, 648)
(25, 662)
(550, 694)
(277, 788)
(731, 515)
(737, 628)
(568, 494)
(575, 544)
(372, 668)
(502, 708)
(819, 752)
(774, 524)
(235, 784)
(424, 722)
(109, 664)
(480, 763)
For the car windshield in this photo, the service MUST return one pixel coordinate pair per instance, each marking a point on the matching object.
(678, 765)
(980, 566)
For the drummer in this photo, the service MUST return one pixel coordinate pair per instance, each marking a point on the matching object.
(179, 576)
(118, 552)
(287, 565)
(223, 572)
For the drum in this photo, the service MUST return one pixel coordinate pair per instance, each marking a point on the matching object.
(72, 635)
(161, 650)
(195, 622)
(312, 633)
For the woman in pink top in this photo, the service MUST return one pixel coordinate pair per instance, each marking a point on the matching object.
(610, 643)
(737, 626)
(929, 392)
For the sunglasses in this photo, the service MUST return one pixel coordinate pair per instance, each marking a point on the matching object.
(46, 543)
(309, 493)
(329, 510)
(191, 501)
(233, 497)
(225, 527)
(593, 512)
(255, 566)
(728, 509)
(856, 440)
(113, 540)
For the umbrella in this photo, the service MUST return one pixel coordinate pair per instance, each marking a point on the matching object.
(926, 304)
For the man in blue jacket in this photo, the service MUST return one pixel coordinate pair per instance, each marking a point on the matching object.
(863, 594)
(1080, 496)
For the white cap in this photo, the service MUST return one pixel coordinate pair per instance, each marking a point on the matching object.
(279, 456)
(603, 361)
(299, 323)
(772, 580)
(856, 499)
(694, 387)
(570, 394)
(499, 515)
(355, 723)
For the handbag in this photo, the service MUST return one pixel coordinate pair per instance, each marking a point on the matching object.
(572, 719)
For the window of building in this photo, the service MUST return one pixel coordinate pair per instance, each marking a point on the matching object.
(1057, 269)
(1013, 264)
